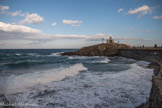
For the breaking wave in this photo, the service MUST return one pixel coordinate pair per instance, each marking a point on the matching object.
(18, 83)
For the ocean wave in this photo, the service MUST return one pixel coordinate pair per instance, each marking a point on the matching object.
(51, 54)
(24, 63)
(19, 83)
(125, 89)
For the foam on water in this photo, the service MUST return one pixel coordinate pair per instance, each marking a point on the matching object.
(105, 60)
(143, 63)
(124, 89)
(18, 54)
(82, 57)
(56, 54)
(19, 83)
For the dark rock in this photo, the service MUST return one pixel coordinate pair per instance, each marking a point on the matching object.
(68, 53)
(98, 50)
(87, 86)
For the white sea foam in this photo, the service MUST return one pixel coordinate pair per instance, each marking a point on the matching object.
(19, 83)
(82, 57)
(105, 60)
(125, 89)
(70, 57)
(18, 54)
(56, 54)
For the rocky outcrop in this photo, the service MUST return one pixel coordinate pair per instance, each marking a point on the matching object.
(98, 50)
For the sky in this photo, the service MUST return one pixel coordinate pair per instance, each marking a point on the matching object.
(28, 24)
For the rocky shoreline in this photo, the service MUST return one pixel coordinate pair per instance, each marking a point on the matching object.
(155, 98)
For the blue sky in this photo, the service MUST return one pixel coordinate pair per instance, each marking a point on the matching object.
(78, 23)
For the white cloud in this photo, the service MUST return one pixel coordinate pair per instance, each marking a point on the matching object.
(3, 8)
(75, 25)
(104, 35)
(6, 27)
(119, 10)
(53, 24)
(141, 10)
(157, 17)
(71, 22)
(58, 36)
(33, 18)
(16, 13)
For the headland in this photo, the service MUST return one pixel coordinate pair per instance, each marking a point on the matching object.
(150, 54)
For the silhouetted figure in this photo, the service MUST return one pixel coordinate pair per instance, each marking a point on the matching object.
(143, 46)
(155, 46)
(118, 43)
(102, 40)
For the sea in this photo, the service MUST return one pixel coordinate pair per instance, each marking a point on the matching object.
(43, 78)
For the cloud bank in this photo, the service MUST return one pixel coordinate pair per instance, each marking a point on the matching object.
(11, 31)
(6, 27)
